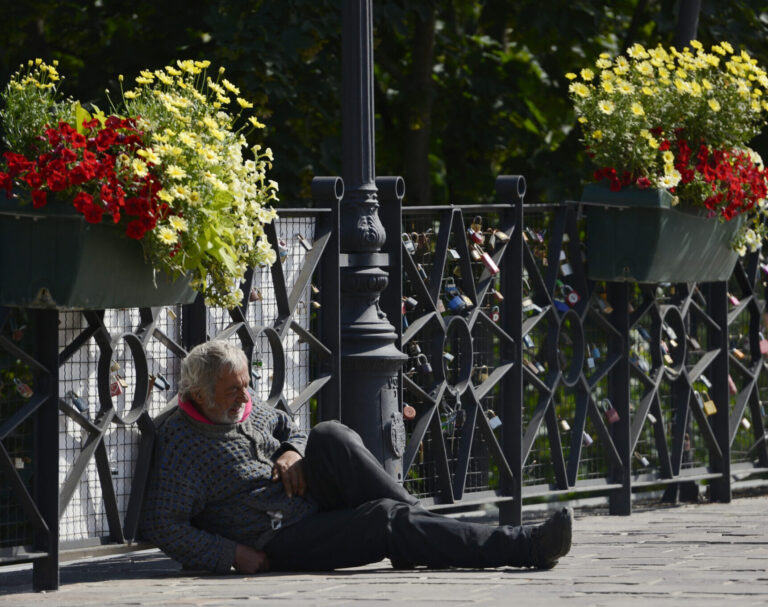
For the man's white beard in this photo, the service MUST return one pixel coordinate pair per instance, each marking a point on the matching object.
(212, 412)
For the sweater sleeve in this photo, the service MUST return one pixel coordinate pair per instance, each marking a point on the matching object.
(289, 435)
(172, 502)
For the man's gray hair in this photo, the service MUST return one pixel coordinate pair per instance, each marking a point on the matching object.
(201, 368)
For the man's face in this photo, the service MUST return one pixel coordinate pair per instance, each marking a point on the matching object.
(229, 397)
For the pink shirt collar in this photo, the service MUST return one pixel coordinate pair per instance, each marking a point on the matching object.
(192, 411)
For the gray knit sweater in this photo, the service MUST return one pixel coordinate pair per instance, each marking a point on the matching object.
(211, 487)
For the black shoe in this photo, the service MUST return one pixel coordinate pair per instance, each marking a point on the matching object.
(551, 539)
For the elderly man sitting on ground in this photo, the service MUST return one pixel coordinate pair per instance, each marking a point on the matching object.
(236, 484)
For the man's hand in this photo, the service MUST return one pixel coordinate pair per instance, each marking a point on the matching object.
(288, 468)
(250, 560)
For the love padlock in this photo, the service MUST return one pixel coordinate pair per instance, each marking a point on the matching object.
(477, 223)
(528, 341)
(610, 411)
(475, 253)
(497, 295)
(453, 255)
(467, 300)
(422, 272)
(422, 364)
(414, 349)
(493, 419)
(564, 426)
(457, 304)
(763, 345)
(78, 403)
(303, 242)
(408, 243)
(501, 235)
(475, 236)
(160, 382)
(410, 303)
(488, 262)
(495, 314)
(409, 412)
(571, 296)
(482, 374)
(642, 459)
(586, 439)
(115, 387)
(450, 288)
(282, 250)
(23, 389)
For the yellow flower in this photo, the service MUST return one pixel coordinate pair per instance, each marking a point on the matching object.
(587, 74)
(697, 45)
(194, 198)
(230, 87)
(645, 68)
(636, 51)
(728, 48)
(598, 134)
(583, 120)
(647, 90)
(243, 103)
(606, 107)
(637, 109)
(130, 95)
(167, 235)
(571, 76)
(175, 172)
(668, 157)
(607, 86)
(187, 138)
(653, 142)
(139, 167)
(149, 155)
(255, 122)
(602, 64)
(165, 196)
(625, 88)
(714, 105)
(178, 223)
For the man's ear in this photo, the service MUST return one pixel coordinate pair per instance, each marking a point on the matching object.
(197, 395)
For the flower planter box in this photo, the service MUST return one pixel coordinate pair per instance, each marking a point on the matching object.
(641, 237)
(53, 258)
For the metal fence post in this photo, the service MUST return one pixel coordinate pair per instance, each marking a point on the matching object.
(328, 192)
(620, 500)
(369, 359)
(511, 190)
(45, 574)
(717, 306)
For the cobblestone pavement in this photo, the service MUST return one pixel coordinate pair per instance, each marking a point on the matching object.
(706, 554)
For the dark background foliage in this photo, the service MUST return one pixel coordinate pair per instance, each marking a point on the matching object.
(465, 90)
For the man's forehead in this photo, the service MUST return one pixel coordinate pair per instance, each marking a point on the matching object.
(235, 375)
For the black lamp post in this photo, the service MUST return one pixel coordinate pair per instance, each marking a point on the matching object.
(369, 359)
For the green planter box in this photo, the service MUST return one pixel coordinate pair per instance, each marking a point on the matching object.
(643, 238)
(53, 258)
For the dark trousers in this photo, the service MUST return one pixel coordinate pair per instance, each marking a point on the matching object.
(366, 516)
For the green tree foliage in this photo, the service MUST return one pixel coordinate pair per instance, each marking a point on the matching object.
(464, 90)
